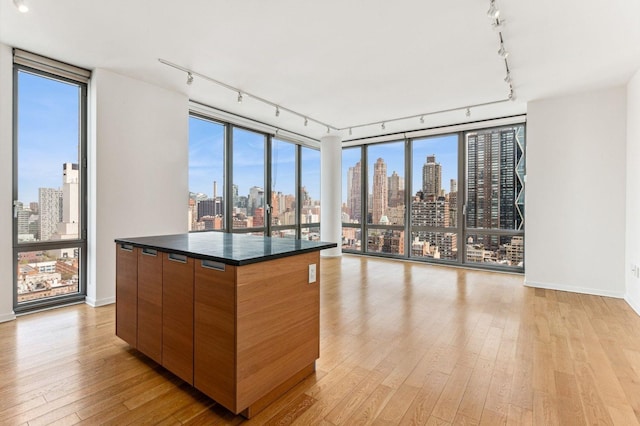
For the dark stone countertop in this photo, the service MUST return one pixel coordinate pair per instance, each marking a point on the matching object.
(231, 249)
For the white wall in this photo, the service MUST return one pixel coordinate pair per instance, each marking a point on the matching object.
(6, 184)
(138, 170)
(633, 192)
(575, 196)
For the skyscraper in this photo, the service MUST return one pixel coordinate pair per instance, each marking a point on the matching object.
(492, 183)
(431, 177)
(354, 193)
(396, 190)
(380, 194)
(50, 202)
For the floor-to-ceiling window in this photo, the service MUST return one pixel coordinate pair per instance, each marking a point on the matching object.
(386, 198)
(284, 202)
(454, 198)
(206, 174)
(49, 208)
(434, 206)
(309, 193)
(249, 181)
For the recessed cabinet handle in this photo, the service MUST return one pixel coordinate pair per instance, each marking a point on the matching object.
(210, 264)
(177, 257)
(149, 252)
(126, 247)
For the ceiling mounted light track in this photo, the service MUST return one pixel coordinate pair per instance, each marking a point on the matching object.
(241, 94)
(498, 24)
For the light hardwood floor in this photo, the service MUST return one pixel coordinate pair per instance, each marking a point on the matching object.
(401, 343)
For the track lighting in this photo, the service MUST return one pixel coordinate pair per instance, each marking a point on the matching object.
(384, 127)
(502, 51)
(507, 78)
(239, 97)
(493, 11)
(422, 120)
(498, 24)
(350, 131)
(277, 111)
(468, 113)
(189, 79)
(328, 130)
(21, 5)
(306, 122)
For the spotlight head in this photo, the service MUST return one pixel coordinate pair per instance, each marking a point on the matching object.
(240, 97)
(350, 131)
(306, 122)
(503, 52)
(422, 120)
(277, 111)
(468, 112)
(384, 127)
(21, 5)
(189, 78)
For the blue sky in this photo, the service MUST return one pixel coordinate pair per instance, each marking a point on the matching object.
(445, 148)
(48, 126)
(206, 148)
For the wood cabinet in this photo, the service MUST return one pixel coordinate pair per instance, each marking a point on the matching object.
(242, 333)
(127, 293)
(150, 303)
(177, 315)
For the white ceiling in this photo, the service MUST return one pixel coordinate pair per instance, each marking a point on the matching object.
(343, 62)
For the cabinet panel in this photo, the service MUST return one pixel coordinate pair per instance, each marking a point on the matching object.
(277, 324)
(177, 315)
(127, 293)
(150, 303)
(214, 328)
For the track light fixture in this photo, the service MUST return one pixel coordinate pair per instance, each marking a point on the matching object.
(502, 51)
(306, 122)
(507, 78)
(493, 11)
(277, 111)
(384, 127)
(350, 131)
(240, 97)
(498, 24)
(422, 119)
(189, 79)
(328, 130)
(21, 5)
(468, 113)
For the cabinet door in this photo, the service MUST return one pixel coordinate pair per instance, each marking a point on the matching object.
(150, 303)
(177, 315)
(127, 293)
(214, 328)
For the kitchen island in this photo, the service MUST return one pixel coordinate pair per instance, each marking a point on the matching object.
(236, 316)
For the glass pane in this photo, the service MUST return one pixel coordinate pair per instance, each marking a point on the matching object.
(248, 179)
(434, 187)
(47, 273)
(507, 250)
(434, 245)
(310, 181)
(387, 241)
(311, 234)
(49, 183)
(206, 170)
(386, 184)
(351, 238)
(283, 183)
(495, 178)
(351, 185)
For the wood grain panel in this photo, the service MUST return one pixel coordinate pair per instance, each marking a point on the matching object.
(127, 294)
(150, 304)
(177, 317)
(277, 323)
(214, 333)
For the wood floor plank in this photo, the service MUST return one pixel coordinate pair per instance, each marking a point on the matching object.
(401, 343)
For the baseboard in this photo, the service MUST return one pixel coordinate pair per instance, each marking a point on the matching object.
(572, 289)
(94, 303)
(7, 317)
(634, 305)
